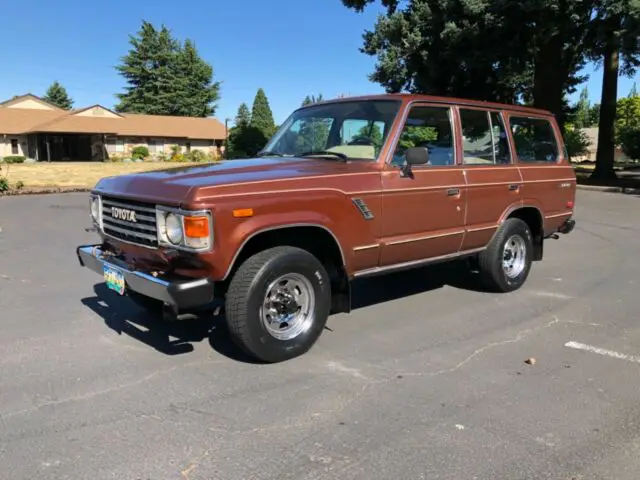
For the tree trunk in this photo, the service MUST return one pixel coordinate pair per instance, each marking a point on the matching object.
(606, 132)
(549, 79)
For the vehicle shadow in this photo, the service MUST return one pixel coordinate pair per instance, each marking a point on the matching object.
(393, 286)
(178, 337)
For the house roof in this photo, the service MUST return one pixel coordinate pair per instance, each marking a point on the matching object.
(20, 115)
(29, 96)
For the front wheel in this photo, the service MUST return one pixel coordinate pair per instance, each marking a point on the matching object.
(277, 303)
(505, 264)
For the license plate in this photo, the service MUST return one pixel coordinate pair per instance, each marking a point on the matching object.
(114, 279)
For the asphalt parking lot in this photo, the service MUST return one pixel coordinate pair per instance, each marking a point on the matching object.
(426, 380)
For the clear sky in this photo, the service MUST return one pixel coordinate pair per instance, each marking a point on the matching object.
(291, 48)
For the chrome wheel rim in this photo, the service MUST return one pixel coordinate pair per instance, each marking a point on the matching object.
(514, 256)
(288, 306)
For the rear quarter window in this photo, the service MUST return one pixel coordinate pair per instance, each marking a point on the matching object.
(534, 140)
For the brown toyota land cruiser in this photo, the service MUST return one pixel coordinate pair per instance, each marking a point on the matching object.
(345, 189)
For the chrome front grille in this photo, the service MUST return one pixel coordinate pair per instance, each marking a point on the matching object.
(130, 221)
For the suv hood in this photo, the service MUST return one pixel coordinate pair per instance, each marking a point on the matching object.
(173, 186)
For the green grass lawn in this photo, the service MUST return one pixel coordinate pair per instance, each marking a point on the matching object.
(75, 174)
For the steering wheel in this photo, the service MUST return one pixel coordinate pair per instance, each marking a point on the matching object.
(361, 141)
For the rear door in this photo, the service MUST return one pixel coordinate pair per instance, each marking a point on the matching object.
(494, 184)
(548, 177)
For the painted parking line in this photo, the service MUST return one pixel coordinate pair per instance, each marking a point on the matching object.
(603, 351)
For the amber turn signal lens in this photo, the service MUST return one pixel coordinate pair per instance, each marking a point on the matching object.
(196, 227)
(243, 212)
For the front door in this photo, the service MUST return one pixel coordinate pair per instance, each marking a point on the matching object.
(423, 215)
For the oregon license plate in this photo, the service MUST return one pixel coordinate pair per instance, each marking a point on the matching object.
(114, 279)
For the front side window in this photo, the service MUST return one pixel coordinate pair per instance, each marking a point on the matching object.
(431, 128)
(484, 138)
(355, 129)
(534, 140)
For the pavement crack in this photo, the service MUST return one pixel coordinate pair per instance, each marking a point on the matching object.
(90, 395)
(185, 472)
(520, 336)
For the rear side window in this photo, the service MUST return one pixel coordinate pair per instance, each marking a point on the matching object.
(534, 140)
(484, 138)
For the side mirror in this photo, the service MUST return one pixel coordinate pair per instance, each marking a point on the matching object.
(417, 156)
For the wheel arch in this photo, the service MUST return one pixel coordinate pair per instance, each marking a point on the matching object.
(317, 239)
(532, 216)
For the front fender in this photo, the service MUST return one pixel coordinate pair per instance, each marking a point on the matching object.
(333, 211)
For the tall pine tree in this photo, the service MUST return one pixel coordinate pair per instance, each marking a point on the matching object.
(57, 95)
(245, 140)
(261, 115)
(200, 92)
(582, 116)
(243, 117)
(165, 77)
(311, 99)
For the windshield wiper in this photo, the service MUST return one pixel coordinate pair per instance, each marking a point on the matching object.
(342, 156)
(267, 153)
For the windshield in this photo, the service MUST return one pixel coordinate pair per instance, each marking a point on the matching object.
(355, 130)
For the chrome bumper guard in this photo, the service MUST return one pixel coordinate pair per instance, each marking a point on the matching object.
(181, 294)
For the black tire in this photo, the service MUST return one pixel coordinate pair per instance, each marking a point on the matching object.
(246, 295)
(490, 261)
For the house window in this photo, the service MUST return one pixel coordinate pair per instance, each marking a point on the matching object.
(119, 145)
(14, 147)
(156, 146)
(188, 146)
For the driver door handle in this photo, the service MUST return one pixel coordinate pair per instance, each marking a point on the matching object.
(453, 191)
(513, 187)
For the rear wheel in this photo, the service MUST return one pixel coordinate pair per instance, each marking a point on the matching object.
(505, 265)
(277, 303)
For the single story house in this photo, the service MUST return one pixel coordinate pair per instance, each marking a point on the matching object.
(36, 129)
(592, 137)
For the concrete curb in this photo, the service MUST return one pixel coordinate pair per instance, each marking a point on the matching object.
(596, 188)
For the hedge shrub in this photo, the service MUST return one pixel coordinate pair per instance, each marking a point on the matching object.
(14, 159)
(140, 152)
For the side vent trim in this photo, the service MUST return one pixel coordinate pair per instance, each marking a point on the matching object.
(364, 209)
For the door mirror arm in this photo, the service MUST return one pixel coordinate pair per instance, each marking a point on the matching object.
(406, 171)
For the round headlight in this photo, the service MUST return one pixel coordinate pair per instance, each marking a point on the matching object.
(174, 228)
(95, 209)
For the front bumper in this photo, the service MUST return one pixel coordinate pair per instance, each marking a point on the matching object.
(180, 294)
